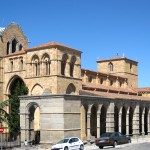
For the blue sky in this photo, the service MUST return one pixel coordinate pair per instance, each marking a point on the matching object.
(99, 28)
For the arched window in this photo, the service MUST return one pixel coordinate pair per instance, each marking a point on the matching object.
(131, 67)
(72, 63)
(20, 47)
(71, 89)
(36, 65)
(8, 45)
(101, 81)
(90, 79)
(14, 45)
(21, 64)
(63, 64)
(111, 82)
(11, 65)
(46, 64)
(110, 66)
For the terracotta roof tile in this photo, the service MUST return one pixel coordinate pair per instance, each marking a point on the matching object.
(102, 73)
(15, 53)
(50, 44)
(107, 88)
(145, 89)
(115, 58)
(114, 96)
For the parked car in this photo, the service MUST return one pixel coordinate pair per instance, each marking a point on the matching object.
(72, 143)
(112, 139)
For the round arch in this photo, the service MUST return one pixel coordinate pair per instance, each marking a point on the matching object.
(116, 118)
(103, 120)
(123, 120)
(11, 82)
(93, 121)
(131, 112)
(71, 89)
(33, 119)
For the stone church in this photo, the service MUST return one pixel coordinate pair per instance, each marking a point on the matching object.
(66, 100)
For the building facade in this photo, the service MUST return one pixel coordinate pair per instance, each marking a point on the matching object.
(64, 99)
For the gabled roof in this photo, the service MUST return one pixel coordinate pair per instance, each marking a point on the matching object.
(51, 44)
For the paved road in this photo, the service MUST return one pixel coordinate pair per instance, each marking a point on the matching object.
(139, 146)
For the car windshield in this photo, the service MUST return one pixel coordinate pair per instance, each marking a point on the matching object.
(106, 135)
(63, 141)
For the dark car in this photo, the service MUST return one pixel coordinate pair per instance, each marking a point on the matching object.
(112, 139)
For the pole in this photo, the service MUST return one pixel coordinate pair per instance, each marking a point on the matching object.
(1, 141)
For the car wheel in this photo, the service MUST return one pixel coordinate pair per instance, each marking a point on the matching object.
(81, 147)
(66, 148)
(101, 147)
(115, 144)
(129, 141)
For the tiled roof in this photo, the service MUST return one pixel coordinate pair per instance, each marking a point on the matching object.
(15, 53)
(113, 95)
(145, 89)
(100, 87)
(115, 58)
(102, 73)
(50, 44)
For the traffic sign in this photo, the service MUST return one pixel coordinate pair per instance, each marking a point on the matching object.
(1, 130)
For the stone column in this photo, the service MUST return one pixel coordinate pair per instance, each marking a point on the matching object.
(77, 71)
(88, 122)
(98, 120)
(107, 81)
(136, 120)
(85, 77)
(67, 69)
(117, 82)
(143, 114)
(110, 118)
(127, 122)
(97, 79)
(58, 71)
(120, 120)
(10, 47)
(24, 125)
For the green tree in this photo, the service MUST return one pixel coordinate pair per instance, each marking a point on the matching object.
(3, 113)
(17, 90)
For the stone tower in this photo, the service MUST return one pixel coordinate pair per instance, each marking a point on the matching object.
(120, 66)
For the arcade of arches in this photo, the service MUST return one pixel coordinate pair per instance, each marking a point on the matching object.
(130, 118)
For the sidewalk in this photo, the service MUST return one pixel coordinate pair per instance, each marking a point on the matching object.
(141, 139)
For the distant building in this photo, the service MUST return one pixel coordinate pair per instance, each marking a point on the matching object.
(65, 100)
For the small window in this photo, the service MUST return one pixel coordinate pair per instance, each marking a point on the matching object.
(101, 81)
(120, 84)
(21, 64)
(131, 67)
(8, 45)
(11, 67)
(110, 66)
(20, 47)
(111, 82)
(90, 79)
(14, 45)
